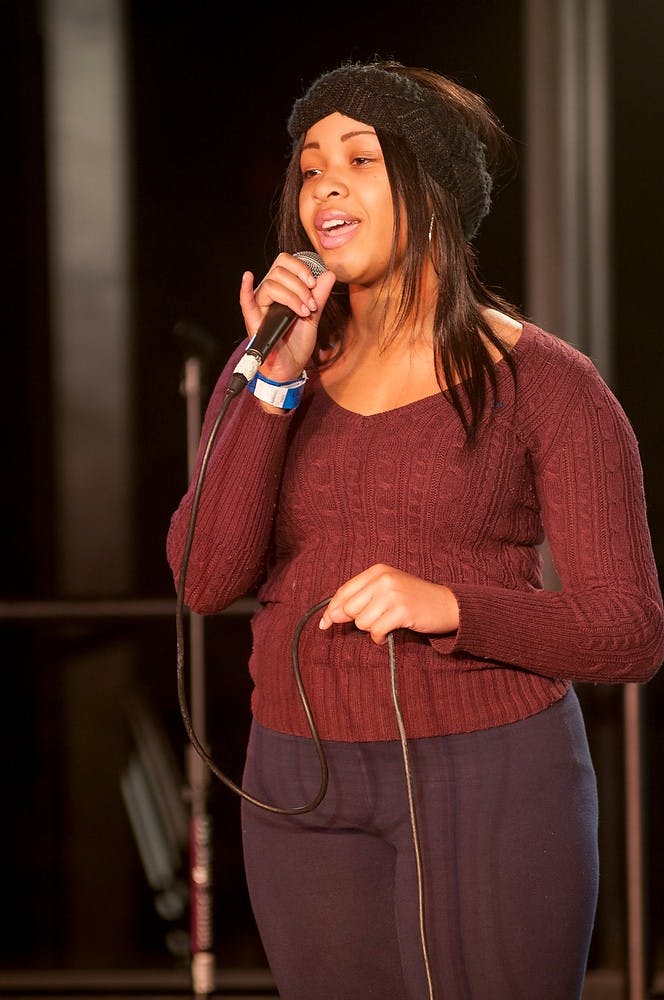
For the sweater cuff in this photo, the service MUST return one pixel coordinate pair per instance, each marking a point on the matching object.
(445, 643)
(492, 625)
(465, 638)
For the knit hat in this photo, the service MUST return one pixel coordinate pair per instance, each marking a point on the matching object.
(436, 133)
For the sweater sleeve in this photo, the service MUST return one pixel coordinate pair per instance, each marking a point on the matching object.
(236, 501)
(606, 622)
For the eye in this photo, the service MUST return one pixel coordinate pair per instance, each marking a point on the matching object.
(361, 160)
(311, 172)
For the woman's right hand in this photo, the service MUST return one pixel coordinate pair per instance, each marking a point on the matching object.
(289, 282)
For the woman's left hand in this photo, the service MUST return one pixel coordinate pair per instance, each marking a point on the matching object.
(382, 599)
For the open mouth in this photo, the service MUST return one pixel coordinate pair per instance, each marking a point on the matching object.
(333, 232)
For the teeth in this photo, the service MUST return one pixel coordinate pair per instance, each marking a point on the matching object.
(332, 223)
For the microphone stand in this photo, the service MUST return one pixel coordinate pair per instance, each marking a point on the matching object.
(197, 344)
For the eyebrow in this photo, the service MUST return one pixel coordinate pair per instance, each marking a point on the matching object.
(344, 137)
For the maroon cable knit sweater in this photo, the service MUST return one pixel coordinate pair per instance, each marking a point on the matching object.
(293, 505)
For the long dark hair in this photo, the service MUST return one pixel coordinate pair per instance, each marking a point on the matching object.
(463, 363)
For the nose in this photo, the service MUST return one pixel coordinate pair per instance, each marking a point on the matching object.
(329, 186)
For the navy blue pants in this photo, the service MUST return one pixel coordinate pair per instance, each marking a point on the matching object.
(507, 821)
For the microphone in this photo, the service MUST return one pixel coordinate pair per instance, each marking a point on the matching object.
(277, 321)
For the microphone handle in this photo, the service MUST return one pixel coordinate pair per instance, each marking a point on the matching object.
(281, 318)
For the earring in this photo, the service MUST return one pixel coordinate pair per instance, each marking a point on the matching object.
(432, 254)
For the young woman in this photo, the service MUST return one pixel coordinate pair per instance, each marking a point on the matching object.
(384, 484)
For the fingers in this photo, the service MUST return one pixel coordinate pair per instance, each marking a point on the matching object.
(289, 282)
(370, 600)
(376, 617)
(349, 599)
(382, 599)
(254, 308)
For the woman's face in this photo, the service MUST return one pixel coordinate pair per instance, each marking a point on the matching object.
(345, 201)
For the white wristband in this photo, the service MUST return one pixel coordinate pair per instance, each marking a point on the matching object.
(285, 395)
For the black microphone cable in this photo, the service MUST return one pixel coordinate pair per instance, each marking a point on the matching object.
(318, 798)
(411, 809)
(179, 621)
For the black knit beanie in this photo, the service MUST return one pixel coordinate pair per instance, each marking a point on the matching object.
(440, 139)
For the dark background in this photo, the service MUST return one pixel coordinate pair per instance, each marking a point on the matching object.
(208, 100)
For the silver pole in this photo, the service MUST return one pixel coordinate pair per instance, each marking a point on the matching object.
(200, 838)
(632, 707)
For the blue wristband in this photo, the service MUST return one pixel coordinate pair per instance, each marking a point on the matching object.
(285, 395)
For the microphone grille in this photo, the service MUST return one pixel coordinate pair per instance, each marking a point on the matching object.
(312, 260)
